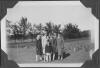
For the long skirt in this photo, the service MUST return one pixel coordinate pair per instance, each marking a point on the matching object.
(60, 51)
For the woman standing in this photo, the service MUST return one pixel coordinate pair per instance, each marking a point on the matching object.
(54, 46)
(38, 48)
(44, 42)
(60, 46)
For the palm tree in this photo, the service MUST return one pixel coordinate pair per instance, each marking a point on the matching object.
(56, 29)
(23, 26)
(49, 28)
(15, 30)
(8, 25)
(32, 31)
(39, 28)
(8, 28)
(12, 28)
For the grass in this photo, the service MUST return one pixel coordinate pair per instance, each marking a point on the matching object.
(25, 52)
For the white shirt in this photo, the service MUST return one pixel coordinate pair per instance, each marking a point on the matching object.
(44, 41)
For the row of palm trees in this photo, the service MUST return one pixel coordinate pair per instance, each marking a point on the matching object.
(23, 28)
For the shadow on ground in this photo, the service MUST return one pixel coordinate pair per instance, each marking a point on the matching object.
(64, 56)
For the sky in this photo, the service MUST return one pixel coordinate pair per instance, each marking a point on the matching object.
(63, 12)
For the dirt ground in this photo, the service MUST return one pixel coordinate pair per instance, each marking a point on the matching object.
(75, 52)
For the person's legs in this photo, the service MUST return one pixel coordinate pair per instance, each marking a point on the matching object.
(37, 57)
(49, 56)
(43, 51)
(61, 57)
(40, 57)
(53, 56)
(58, 57)
(44, 55)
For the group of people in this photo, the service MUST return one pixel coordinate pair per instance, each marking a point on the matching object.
(47, 46)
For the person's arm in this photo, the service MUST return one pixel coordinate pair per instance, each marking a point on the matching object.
(36, 45)
(63, 43)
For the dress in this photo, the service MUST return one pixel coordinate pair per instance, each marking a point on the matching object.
(44, 42)
(38, 47)
(54, 45)
(60, 46)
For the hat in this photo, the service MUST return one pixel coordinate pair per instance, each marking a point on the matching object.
(38, 36)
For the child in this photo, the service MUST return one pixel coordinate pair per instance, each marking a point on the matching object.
(48, 51)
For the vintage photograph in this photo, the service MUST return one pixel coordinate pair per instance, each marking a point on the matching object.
(50, 32)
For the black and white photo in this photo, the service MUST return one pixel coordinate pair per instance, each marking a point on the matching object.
(50, 32)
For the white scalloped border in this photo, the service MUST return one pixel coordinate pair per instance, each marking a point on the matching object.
(94, 39)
